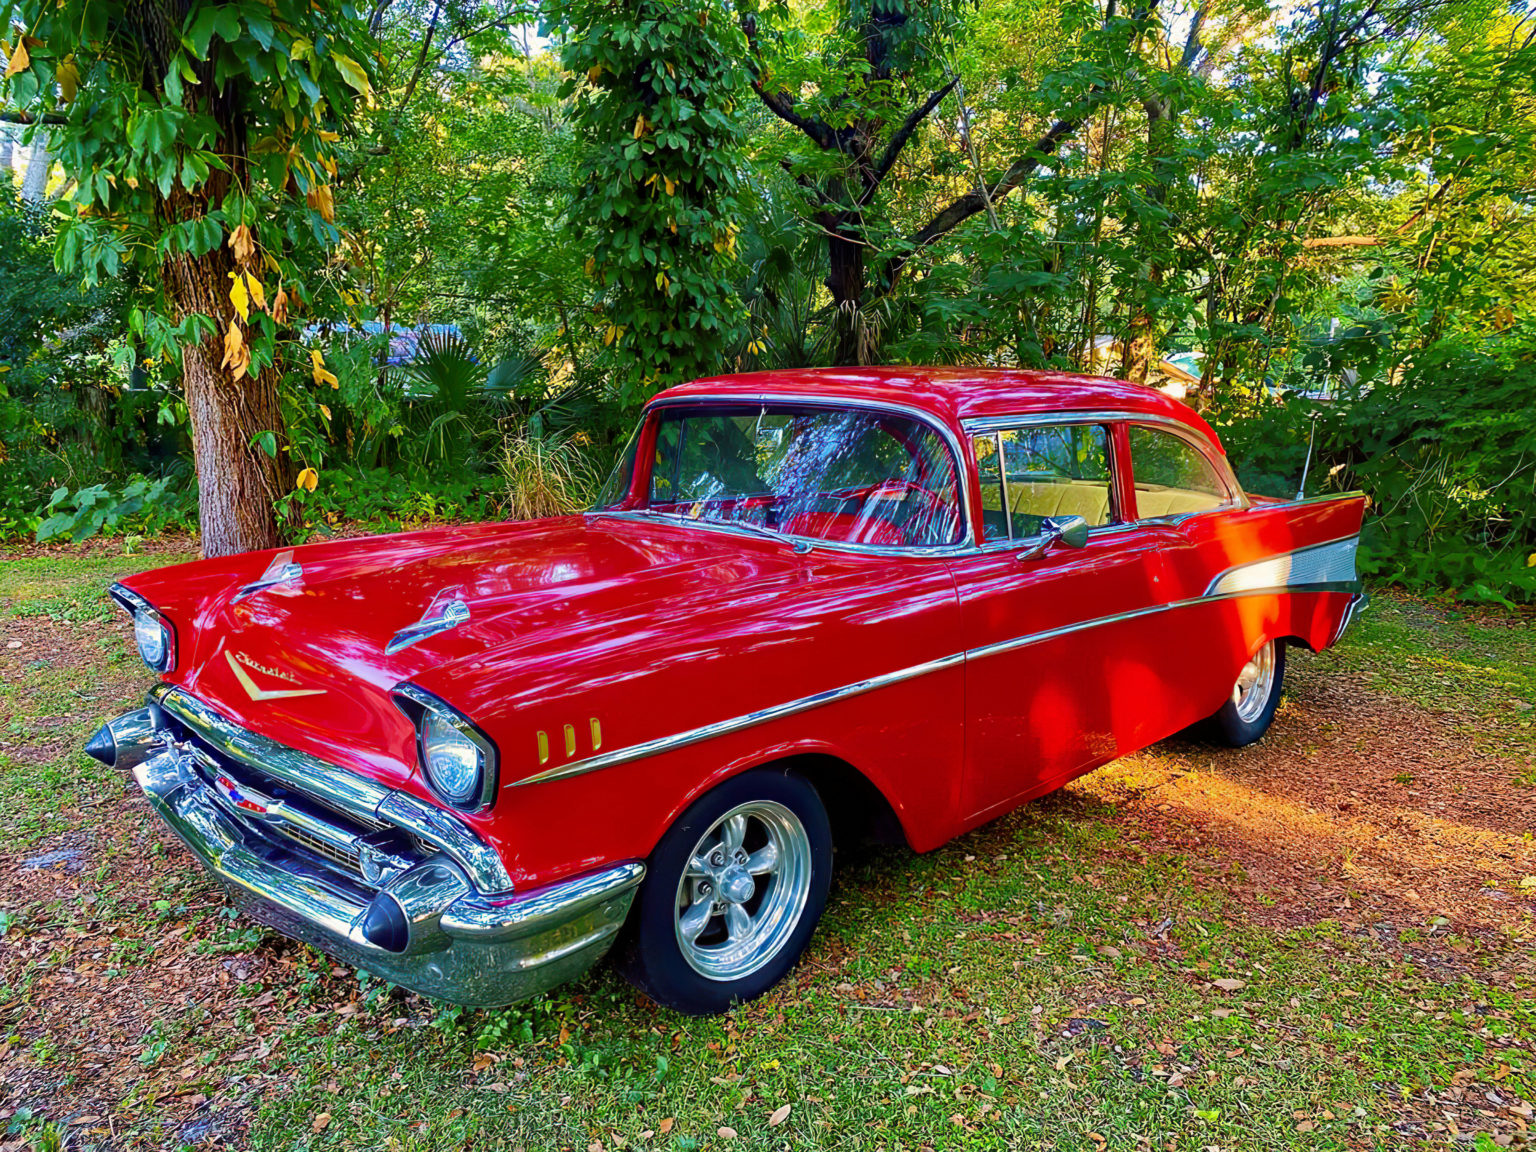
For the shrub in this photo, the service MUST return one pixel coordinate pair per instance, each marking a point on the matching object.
(545, 477)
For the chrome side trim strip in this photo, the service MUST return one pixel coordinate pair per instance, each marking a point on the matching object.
(806, 703)
(736, 723)
(365, 798)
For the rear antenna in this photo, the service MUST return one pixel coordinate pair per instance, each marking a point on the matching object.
(1301, 489)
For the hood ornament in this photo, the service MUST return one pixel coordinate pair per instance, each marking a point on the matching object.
(282, 570)
(447, 610)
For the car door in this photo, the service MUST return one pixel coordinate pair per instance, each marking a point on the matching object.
(1189, 507)
(1059, 657)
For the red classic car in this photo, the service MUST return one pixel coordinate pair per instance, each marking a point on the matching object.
(808, 605)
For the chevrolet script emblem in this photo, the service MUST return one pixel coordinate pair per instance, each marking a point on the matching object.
(258, 694)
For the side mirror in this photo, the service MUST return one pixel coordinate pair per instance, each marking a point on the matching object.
(1071, 531)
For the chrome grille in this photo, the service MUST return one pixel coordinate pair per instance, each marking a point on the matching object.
(348, 860)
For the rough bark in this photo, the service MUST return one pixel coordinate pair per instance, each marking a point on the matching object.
(237, 482)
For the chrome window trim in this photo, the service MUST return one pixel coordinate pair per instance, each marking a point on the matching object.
(341, 787)
(957, 458)
(1237, 499)
(816, 700)
(1024, 542)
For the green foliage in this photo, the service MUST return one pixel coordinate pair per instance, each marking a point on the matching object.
(385, 500)
(140, 505)
(654, 88)
(174, 147)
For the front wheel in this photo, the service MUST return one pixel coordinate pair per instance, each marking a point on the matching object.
(732, 894)
(1247, 714)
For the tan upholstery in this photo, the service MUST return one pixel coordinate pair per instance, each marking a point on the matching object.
(1152, 502)
(1061, 498)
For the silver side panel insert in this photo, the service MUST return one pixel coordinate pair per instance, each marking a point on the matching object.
(1331, 563)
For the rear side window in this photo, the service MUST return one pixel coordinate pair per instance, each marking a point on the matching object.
(1172, 476)
(1031, 475)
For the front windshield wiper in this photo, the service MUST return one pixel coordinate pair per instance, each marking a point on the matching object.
(800, 545)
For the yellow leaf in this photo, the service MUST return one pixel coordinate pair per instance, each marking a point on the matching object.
(593, 73)
(640, 125)
(324, 411)
(317, 369)
(329, 137)
(258, 293)
(239, 297)
(352, 72)
(308, 480)
(68, 76)
(21, 61)
(319, 198)
(591, 265)
(280, 306)
(671, 185)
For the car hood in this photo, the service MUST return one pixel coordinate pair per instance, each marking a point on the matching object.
(306, 661)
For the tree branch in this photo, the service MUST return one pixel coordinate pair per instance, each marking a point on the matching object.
(781, 103)
(9, 117)
(903, 134)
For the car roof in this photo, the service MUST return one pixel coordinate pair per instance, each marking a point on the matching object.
(953, 394)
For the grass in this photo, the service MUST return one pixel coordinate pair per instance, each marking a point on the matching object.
(1063, 978)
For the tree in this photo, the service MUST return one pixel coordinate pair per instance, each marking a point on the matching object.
(200, 139)
(654, 84)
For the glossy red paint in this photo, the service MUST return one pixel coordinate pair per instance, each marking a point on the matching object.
(602, 633)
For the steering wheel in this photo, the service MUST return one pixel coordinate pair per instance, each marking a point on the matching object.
(934, 505)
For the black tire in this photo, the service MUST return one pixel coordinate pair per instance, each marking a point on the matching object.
(1240, 726)
(651, 954)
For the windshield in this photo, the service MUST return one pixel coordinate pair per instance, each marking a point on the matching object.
(840, 474)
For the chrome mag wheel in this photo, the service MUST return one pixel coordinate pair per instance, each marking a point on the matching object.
(743, 890)
(1250, 695)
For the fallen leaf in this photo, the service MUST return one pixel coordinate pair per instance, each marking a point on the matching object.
(780, 1115)
(726, 1133)
(321, 1122)
(1230, 984)
(666, 1125)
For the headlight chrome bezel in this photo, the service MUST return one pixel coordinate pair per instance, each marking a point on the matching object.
(139, 608)
(418, 706)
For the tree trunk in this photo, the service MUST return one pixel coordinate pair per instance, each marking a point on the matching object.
(236, 483)
(845, 280)
(7, 152)
(34, 187)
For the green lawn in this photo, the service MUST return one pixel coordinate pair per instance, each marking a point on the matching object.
(1094, 971)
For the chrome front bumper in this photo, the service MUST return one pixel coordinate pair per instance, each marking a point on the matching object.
(446, 937)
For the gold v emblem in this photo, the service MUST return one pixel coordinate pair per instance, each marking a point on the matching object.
(259, 694)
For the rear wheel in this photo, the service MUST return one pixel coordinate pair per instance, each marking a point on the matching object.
(732, 894)
(1246, 716)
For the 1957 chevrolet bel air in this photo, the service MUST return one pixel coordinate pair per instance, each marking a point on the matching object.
(808, 604)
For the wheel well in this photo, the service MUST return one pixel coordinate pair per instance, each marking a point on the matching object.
(857, 808)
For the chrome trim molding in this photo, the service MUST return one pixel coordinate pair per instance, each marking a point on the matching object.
(736, 723)
(831, 695)
(1330, 563)
(446, 611)
(414, 703)
(282, 570)
(367, 799)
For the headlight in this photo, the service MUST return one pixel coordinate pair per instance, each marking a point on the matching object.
(457, 759)
(152, 632)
